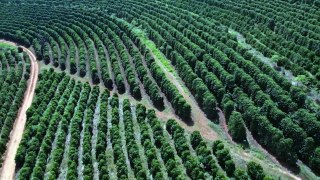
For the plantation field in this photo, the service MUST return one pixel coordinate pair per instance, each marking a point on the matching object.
(160, 89)
(14, 74)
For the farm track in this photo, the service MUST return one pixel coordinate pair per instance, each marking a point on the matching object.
(197, 115)
(255, 144)
(5, 174)
(137, 135)
(112, 168)
(223, 125)
(95, 124)
(8, 166)
(122, 132)
(161, 13)
(167, 105)
(158, 154)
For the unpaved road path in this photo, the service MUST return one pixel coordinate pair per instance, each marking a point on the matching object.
(8, 166)
(198, 116)
(244, 155)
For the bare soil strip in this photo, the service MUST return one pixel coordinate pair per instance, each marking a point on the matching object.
(8, 166)
(197, 115)
(244, 155)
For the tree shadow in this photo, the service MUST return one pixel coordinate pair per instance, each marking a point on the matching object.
(138, 98)
(188, 121)
(293, 168)
(245, 144)
(160, 108)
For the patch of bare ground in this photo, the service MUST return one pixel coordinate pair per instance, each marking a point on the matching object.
(199, 119)
(254, 144)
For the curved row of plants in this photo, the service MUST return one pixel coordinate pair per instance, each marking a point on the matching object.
(67, 108)
(13, 79)
(197, 38)
(279, 100)
(85, 44)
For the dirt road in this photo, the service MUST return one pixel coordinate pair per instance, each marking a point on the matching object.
(199, 118)
(8, 166)
(247, 157)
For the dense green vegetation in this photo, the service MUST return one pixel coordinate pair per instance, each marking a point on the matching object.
(14, 73)
(80, 118)
(257, 61)
(236, 127)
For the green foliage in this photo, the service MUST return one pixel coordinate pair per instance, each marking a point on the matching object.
(230, 56)
(255, 171)
(224, 158)
(13, 80)
(315, 160)
(241, 174)
(236, 127)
